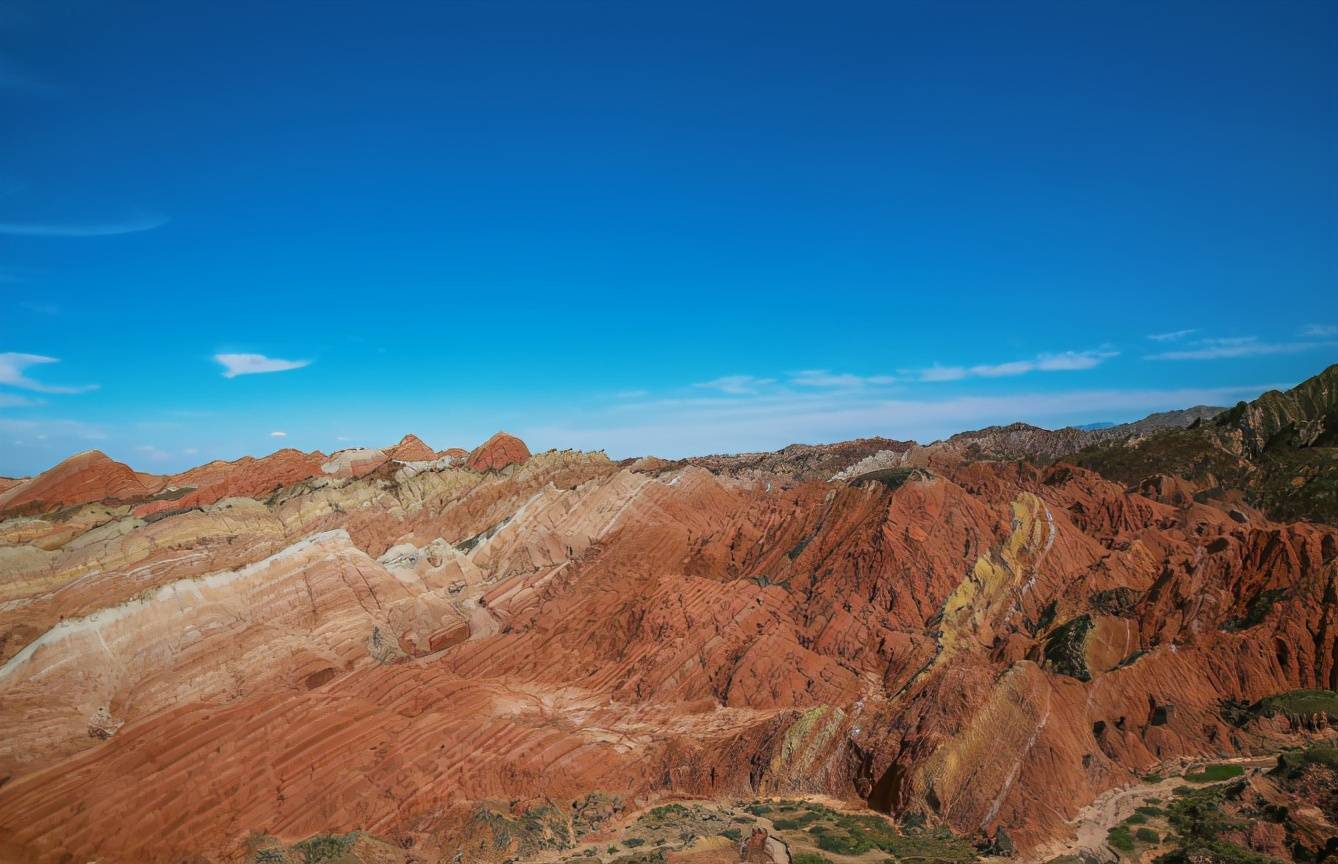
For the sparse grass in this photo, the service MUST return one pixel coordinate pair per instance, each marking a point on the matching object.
(856, 834)
(1301, 704)
(1215, 773)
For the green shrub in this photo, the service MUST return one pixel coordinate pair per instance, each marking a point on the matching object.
(844, 844)
(1149, 810)
(810, 858)
(324, 847)
(1147, 835)
(633, 842)
(1153, 778)
(733, 834)
(1136, 819)
(1120, 838)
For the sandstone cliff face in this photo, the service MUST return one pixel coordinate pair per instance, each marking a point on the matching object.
(986, 644)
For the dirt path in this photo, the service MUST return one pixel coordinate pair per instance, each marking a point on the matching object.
(1110, 809)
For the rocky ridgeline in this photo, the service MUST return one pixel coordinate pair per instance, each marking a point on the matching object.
(427, 658)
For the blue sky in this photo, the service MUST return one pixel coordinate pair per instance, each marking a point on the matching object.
(651, 228)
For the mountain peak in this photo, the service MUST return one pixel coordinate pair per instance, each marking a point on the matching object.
(499, 451)
(411, 449)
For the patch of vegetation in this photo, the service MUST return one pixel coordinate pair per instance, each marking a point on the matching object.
(1136, 819)
(633, 842)
(1199, 824)
(1147, 835)
(1256, 610)
(1065, 649)
(758, 809)
(1149, 810)
(1293, 764)
(1153, 778)
(324, 847)
(810, 858)
(1215, 773)
(1120, 838)
(538, 828)
(732, 834)
(854, 834)
(1300, 704)
(1120, 601)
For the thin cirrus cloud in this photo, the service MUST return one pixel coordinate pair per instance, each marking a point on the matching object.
(132, 225)
(1238, 346)
(822, 379)
(1171, 336)
(1067, 361)
(278, 434)
(255, 364)
(13, 364)
(1320, 331)
(735, 385)
(14, 400)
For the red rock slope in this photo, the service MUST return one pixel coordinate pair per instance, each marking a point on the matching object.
(86, 477)
(498, 452)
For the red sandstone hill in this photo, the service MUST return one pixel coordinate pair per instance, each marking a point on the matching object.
(499, 451)
(246, 477)
(411, 449)
(81, 479)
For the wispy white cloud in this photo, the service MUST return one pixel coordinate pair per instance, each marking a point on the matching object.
(74, 429)
(14, 400)
(735, 385)
(822, 379)
(255, 364)
(1320, 331)
(131, 225)
(631, 394)
(13, 364)
(1172, 336)
(1238, 346)
(1066, 361)
(278, 434)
